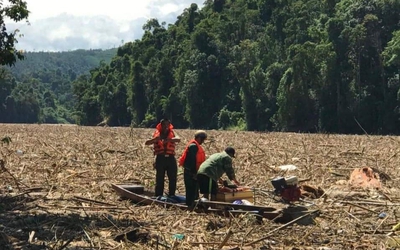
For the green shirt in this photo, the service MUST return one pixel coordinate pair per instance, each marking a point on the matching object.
(216, 165)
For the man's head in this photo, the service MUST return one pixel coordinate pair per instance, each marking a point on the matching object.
(230, 151)
(200, 136)
(165, 124)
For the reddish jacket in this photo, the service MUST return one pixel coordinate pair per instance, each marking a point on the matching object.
(161, 147)
(200, 157)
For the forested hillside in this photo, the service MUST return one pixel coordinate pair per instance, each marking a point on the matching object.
(38, 88)
(284, 65)
(72, 63)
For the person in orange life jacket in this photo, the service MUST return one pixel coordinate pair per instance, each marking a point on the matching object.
(164, 141)
(193, 156)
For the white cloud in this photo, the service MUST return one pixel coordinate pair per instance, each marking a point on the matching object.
(88, 24)
(115, 9)
(168, 8)
(62, 32)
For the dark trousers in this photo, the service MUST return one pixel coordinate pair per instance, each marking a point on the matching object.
(207, 186)
(166, 165)
(191, 188)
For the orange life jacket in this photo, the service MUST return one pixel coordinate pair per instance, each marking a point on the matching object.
(200, 156)
(164, 148)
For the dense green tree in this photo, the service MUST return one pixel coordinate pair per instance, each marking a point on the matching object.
(16, 10)
(138, 99)
(7, 84)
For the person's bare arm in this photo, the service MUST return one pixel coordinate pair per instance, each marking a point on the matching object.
(230, 172)
(175, 139)
(237, 183)
(152, 141)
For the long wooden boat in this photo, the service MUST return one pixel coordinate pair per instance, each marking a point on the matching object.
(146, 197)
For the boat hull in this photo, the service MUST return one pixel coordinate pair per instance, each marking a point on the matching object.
(223, 208)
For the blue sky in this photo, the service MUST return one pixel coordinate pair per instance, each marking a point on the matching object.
(61, 25)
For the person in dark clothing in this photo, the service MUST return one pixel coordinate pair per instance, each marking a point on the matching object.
(164, 141)
(193, 156)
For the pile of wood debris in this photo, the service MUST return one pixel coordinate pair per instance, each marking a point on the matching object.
(55, 191)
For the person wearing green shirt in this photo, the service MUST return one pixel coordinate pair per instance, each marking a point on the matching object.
(211, 171)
